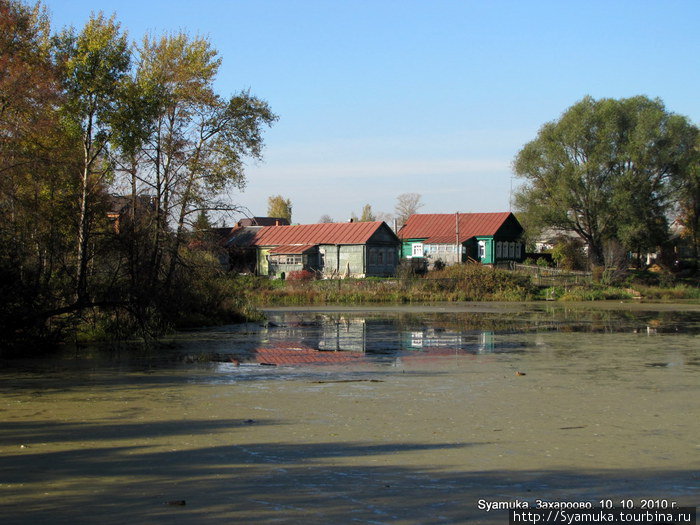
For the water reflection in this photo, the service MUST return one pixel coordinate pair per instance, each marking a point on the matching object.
(387, 336)
(305, 338)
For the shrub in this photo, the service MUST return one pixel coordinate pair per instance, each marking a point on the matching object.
(542, 262)
(301, 275)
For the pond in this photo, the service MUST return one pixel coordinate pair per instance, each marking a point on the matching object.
(352, 415)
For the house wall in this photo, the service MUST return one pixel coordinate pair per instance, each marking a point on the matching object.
(307, 261)
(487, 254)
(407, 247)
(381, 260)
(447, 253)
(263, 268)
(339, 261)
(508, 250)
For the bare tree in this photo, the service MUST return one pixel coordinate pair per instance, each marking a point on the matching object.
(325, 218)
(406, 205)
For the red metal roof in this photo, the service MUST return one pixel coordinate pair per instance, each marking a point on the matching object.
(296, 248)
(441, 228)
(285, 354)
(309, 234)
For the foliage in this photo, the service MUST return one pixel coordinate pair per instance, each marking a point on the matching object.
(568, 254)
(687, 191)
(542, 262)
(464, 284)
(367, 214)
(301, 275)
(81, 116)
(595, 293)
(93, 64)
(278, 206)
(325, 218)
(604, 171)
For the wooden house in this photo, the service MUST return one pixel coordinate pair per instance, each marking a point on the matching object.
(126, 212)
(350, 249)
(489, 238)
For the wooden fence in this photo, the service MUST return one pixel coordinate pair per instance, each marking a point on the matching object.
(544, 276)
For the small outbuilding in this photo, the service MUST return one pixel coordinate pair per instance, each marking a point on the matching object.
(488, 238)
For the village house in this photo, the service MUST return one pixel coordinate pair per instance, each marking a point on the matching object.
(124, 212)
(351, 249)
(489, 238)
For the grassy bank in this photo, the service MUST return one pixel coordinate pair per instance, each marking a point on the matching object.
(456, 283)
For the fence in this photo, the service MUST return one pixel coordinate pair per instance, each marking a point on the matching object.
(544, 276)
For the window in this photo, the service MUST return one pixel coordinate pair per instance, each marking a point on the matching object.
(482, 250)
(499, 246)
(372, 256)
(285, 259)
(417, 249)
(380, 257)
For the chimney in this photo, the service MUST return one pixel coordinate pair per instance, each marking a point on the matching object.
(277, 223)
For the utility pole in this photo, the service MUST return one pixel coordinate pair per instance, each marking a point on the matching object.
(458, 253)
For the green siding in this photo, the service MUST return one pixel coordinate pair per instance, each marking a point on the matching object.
(489, 253)
(407, 247)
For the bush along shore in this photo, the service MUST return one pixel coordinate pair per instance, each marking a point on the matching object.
(454, 283)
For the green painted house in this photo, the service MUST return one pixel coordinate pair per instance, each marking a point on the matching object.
(452, 238)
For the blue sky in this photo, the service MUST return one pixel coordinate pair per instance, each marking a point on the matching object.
(378, 98)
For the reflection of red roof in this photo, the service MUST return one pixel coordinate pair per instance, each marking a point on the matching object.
(287, 249)
(441, 228)
(327, 233)
(287, 354)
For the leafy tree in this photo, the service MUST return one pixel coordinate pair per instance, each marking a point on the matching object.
(687, 185)
(278, 206)
(35, 188)
(367, 215)
(78, 120)
(406, 205)
(202, 222)
(94, 62)
(198, 139)
(603, 171)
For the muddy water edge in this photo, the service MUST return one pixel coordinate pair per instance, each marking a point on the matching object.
(421, 414)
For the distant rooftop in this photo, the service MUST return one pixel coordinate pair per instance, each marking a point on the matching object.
(263, 221)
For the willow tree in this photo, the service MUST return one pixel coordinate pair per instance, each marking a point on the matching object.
(603, 171)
